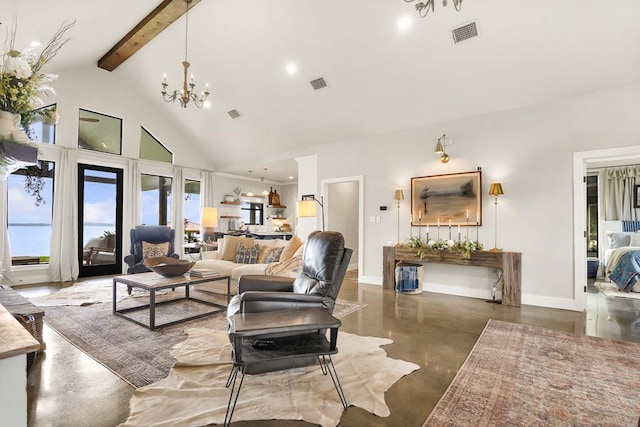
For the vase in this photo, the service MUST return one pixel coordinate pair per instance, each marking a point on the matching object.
(9, 123)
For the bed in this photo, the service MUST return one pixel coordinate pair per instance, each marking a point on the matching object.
(622, 259)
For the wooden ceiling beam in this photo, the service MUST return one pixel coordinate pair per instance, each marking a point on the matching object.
(153, 24)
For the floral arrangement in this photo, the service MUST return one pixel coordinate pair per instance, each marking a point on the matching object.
(22, 82)
(462, 248)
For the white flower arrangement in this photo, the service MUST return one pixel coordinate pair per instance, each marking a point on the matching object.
(22, 83)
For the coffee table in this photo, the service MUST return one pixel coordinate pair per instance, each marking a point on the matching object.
(268, 327)
(154, 282)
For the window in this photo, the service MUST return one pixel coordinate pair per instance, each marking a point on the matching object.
(152, 149)
(29, 213)
(44, 129)
(99, 132)
(191, 212)
(252, 211)
(156, 199)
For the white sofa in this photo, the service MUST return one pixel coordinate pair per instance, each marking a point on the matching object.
(221, 260)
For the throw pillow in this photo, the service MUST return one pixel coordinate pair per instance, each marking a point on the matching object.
(246, 254)
(151, 250)
(290, 248)
(299, 252)
(231, 246)
(274, 256)
(264, 251)
(619, 239)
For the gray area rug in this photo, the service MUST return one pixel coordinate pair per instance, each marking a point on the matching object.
(194, 393)
(137, 355)
(519, 375)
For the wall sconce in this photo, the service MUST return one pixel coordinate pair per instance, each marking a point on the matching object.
(307, 207)
(209, 220)
(444, 157)
(399, 195)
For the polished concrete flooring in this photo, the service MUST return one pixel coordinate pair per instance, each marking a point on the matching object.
(67, 388)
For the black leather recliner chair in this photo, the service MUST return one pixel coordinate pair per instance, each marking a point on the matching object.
(324, 264)
(152, 234)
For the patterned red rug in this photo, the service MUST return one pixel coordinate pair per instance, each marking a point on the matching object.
(519, 375)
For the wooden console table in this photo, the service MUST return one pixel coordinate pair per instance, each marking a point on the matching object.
(509, 262)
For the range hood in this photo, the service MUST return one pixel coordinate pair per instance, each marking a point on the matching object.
(14, 156)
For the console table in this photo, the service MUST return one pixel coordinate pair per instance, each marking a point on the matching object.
(509, 262)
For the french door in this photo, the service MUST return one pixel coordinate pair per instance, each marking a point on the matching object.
(99, 220)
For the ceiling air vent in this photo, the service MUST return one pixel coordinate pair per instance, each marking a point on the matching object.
(234, 113)
(318, 83)
(464, 32)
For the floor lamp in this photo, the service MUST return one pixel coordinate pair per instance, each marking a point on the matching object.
(209, 220)
(307, 207)
(496, 190)
(399, 195)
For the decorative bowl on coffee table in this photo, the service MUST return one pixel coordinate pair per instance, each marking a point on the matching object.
(167, 266)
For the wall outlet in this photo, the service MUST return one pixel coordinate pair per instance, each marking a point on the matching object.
(377, 219)
(372, 219)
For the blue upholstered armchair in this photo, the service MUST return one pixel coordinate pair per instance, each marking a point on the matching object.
(152, 235)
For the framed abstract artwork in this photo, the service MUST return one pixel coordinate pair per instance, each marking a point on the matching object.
(454, 199)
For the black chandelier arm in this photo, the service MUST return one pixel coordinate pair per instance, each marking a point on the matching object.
(423, 7)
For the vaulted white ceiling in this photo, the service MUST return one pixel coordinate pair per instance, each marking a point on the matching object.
(380, 78)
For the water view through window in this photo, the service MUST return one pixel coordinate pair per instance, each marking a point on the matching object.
(29, 211)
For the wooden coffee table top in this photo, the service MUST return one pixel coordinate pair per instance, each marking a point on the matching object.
(153, 280)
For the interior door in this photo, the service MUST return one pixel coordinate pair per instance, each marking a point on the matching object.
(99, 220)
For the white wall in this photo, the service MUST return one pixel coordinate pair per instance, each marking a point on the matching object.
(528, 150)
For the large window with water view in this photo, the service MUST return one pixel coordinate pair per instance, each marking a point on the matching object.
(156, 199)
(29, 213)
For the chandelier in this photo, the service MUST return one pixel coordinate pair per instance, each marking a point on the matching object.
(424, 6)
(187, 93)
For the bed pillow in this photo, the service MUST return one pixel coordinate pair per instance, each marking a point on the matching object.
(619, 239)
(635, 239)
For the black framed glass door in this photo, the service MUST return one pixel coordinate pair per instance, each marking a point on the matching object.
(99, 220)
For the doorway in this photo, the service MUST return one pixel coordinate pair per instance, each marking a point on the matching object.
(99, 220)
(344, 206)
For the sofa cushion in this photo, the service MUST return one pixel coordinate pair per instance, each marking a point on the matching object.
(265, 248)
(274, 255)
(151, 250)
(290, 248)
(246, 254)
(230, 246)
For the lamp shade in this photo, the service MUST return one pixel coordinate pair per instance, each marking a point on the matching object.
(439, 149)
(496, 189)
(209, 217)
(307, 208)
(399, 195)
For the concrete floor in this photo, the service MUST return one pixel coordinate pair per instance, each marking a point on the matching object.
(67, 388)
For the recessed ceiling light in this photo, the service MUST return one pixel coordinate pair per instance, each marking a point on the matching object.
(207, 104)
(291, 68)
(404, 23)
(291, 177)
(35, 43)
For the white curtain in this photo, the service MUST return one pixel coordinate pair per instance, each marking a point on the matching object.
(63, 260)
(207, 186)
(132, 196)
(619, 190)
(177, 208)
(5, 248)
(207, 182)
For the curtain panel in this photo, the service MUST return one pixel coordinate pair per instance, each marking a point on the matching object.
(618, 192)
